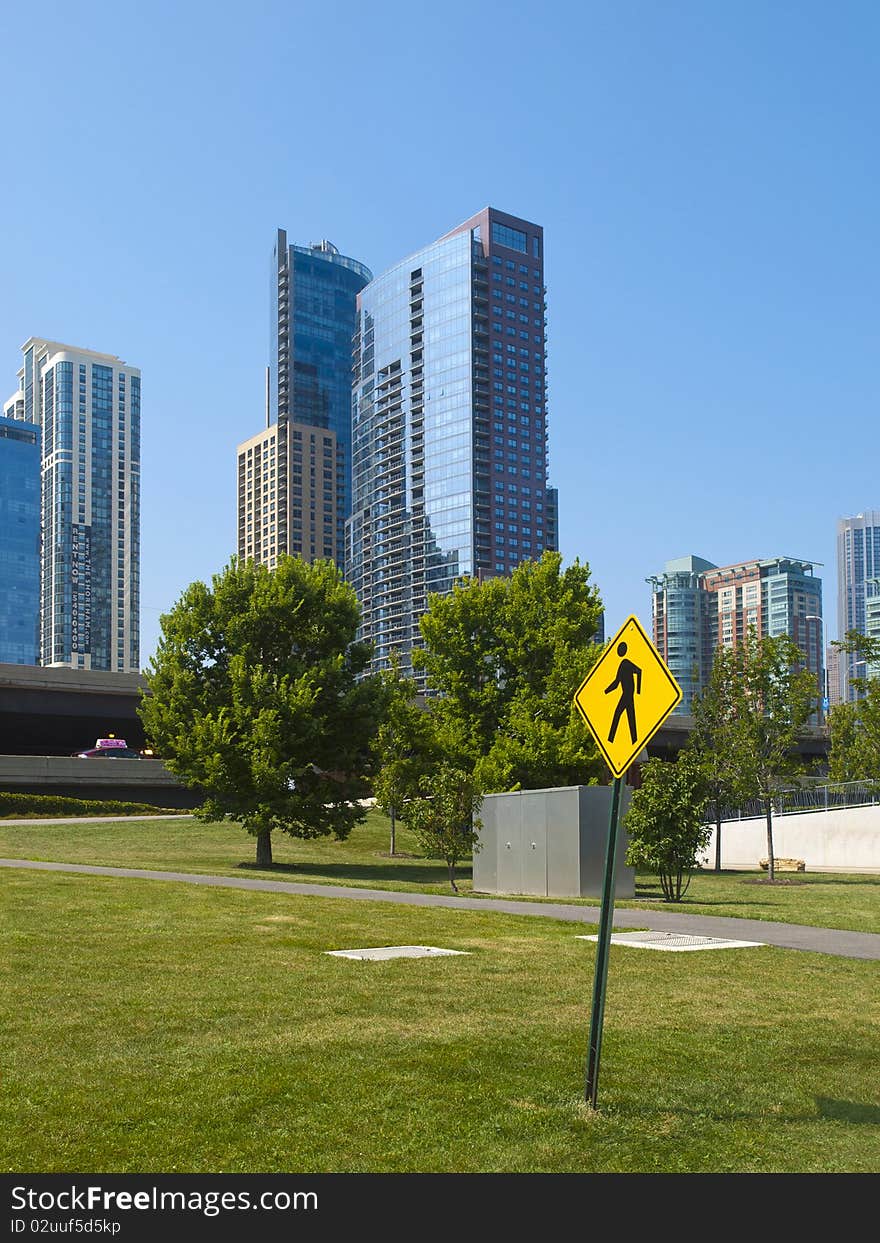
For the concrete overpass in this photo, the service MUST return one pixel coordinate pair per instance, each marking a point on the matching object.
(45, 711)
(136, 781)
(45, 714)
(813, 747)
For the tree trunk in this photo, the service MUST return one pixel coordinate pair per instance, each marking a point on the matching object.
(717, 835)
(393, 832)
(450, 863)
(264, 848)
(768, 808)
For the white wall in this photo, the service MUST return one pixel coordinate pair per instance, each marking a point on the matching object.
(845, 840)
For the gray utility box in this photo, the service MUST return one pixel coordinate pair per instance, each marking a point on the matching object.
(551, 843)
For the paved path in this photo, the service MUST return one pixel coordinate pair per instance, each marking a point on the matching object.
(787, 936)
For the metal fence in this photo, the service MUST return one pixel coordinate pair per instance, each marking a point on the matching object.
(811, 798)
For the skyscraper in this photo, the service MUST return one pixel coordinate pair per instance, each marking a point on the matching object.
(19, 537)
(682, 634)
(449, 424)
(312, 319)
(872, 624)
(88, 408)
(858, 581)
(698, 606)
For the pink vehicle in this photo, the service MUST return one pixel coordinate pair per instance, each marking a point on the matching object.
(108, 748)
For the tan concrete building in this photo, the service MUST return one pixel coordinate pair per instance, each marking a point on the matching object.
(296, 481)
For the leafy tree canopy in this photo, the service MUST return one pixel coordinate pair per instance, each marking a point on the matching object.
(506, 656)
(444, 816)
(404, 747)
(665, 822)
(773, 695)
(253, 697)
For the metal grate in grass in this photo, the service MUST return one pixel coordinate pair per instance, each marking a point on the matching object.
(676, 942)
(394, 951)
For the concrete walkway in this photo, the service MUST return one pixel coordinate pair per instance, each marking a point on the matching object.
(864, 945)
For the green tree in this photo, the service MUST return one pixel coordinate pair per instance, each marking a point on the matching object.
(444, 816)
(855, 727)
(720, 740)
(253, 696)
(774, 695)
(403, 748)
(665, 822)
(505, 657)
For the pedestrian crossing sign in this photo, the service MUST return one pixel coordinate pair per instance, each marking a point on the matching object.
(627, 696)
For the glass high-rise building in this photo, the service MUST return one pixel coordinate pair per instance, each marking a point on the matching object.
(88, 408)
(294, 477)
(858, 582)
(449, 424)
(682, 634)
(19, 538)
(872, 624)
(698, 607)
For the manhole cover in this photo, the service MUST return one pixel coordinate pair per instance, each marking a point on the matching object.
(394, 951)
(674, 941)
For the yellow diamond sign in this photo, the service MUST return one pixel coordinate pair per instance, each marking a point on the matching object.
(627, 696)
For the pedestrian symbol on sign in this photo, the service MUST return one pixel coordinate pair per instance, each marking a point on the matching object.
(629, 679)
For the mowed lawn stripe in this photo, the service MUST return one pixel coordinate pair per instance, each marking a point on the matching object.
(830, 900)
(170, 1027)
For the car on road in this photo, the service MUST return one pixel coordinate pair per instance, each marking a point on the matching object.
(108, 748)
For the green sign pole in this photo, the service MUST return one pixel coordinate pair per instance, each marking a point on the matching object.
(605, 922)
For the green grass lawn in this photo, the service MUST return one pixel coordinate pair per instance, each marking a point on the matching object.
(830, 900)
(163, 1028)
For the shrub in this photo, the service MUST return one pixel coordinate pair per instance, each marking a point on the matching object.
(22, 806)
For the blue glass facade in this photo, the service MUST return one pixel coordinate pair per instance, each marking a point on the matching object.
(313, 312)
(448, 425)
(19, 542)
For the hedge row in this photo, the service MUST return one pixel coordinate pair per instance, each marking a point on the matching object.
(18, 806)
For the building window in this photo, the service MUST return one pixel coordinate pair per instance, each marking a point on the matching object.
(513, 239)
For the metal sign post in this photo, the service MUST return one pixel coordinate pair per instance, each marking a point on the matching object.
(641, 692)
(601, 976)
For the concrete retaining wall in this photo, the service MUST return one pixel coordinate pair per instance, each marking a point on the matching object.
(844, 840)
(139, 781)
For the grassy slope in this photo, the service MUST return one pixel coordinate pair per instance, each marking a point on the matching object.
(831, 900)
(165, 1027)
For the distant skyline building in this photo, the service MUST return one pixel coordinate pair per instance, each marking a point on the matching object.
(308, 407)
(19, 537)
(858, 582)
(87, 407)
(449, 424)
(698, 607)
(832, 665)
(682, 632)
(872, 623)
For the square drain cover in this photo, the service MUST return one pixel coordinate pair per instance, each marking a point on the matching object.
(677, 942)
(395, 951)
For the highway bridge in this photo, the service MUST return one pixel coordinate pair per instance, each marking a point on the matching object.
(45, 711)
(46, 714)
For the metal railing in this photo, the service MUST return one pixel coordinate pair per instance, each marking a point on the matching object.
(796, 799)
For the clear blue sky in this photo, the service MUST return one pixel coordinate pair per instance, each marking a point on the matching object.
(706, 174)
